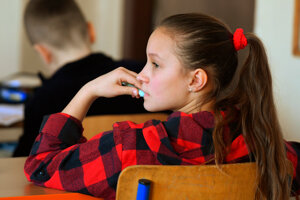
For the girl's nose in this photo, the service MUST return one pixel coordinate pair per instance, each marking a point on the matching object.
(142, 78)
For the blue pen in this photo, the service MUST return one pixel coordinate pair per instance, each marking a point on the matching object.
(141, 93)
(143, 190)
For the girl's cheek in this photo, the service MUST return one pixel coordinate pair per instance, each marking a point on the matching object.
(158, 90)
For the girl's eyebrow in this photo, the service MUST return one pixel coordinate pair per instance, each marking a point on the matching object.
(155, 55)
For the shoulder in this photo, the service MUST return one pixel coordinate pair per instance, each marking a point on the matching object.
(293, 151)
(127, 126)
(195, 121)
(129, 131)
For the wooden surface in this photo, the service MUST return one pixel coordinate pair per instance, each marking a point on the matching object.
(65, 196)
(10, 134)
(14, 184)
(96, 124)
(13, 181)
(17, 124)
(235, 181)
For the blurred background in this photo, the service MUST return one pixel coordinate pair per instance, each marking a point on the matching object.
(123, 27)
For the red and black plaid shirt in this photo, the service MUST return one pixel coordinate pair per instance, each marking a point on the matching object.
(61, 157)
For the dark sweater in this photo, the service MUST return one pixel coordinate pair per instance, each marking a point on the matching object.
(56, 92)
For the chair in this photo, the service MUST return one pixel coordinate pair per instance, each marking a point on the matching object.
(100, 123)
(231, 181)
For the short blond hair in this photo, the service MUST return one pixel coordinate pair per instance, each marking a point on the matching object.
(59, 23)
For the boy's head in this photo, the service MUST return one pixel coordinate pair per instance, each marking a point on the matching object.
(57, 23)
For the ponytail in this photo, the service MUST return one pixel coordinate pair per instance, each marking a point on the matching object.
(251, 92)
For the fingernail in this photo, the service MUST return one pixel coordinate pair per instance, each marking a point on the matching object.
(135, 92)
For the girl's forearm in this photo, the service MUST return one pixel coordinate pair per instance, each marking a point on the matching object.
(80, 104)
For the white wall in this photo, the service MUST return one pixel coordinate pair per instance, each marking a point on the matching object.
(10, 17)
(107, 18)
(274, 25)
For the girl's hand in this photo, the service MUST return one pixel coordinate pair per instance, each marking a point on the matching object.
(110, 84)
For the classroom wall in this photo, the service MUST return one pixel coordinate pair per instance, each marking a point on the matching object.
(235, 13)
(274, 25)
(10, 15)
(29, 59)
(107, 18)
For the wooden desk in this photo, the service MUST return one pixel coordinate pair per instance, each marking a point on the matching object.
(14, 184)
(11, 126)
(11, 133)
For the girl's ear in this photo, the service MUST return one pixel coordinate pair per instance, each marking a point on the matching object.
(199, 80)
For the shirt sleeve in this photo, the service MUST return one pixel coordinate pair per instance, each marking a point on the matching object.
(62, 158)
(293, 154)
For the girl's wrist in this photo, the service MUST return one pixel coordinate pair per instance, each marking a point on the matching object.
(80, 104)
(89, 92)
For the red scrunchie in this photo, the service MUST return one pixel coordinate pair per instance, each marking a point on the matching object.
(239, 39)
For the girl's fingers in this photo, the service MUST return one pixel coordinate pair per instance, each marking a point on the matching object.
(130, 72)
(131, 78)
(110, 84)
(128, 90)
(132, 81)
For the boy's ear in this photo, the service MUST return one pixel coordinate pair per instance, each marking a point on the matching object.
(91, 32)
(44, 52)
(199, 80)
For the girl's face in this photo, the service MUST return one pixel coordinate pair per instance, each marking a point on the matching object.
(164, 79)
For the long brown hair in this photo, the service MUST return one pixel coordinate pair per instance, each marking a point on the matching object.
(205, 42)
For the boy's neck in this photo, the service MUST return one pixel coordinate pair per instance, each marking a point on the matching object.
(61, 58)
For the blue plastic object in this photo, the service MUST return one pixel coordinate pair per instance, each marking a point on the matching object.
(11, 95)
(143, 189)
(141, 93)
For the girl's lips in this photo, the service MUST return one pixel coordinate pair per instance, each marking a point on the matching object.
(146, 94)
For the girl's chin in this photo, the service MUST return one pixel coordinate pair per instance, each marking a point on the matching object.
(148, 107)
(152, 108)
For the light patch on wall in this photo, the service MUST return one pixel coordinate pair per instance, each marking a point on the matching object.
(107, 18)
(10, 17)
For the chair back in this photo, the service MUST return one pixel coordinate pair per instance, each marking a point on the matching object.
(229, 181)
(99, 123)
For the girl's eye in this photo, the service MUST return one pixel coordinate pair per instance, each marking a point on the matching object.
(155, 65)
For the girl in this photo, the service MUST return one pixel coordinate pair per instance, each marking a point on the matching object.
(222, 114)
